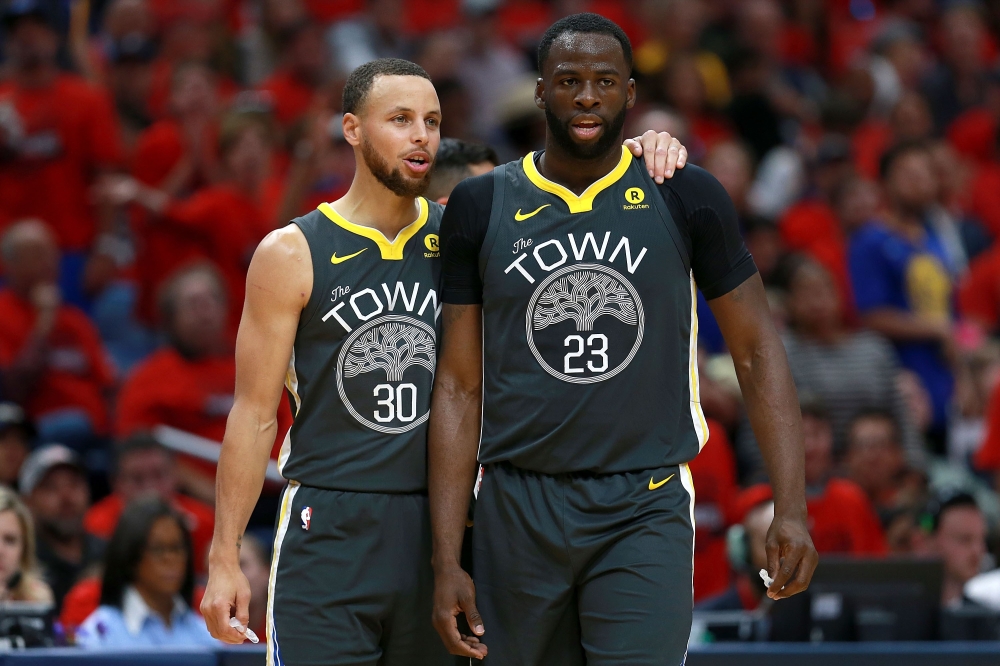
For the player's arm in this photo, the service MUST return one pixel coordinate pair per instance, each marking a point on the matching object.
(453, 440)
(279, 282)
(772, 405)
(456, 410)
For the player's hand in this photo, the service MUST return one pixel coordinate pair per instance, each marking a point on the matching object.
(228, 590)
(791, 556)
(455, 593)
(663, 153)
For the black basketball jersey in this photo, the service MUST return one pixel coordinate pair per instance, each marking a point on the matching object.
(590, 326)
(363, 361)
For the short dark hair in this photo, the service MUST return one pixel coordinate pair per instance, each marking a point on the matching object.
(137, 442)
(128, 545)
(586, 23)
(943, 501)
(879, 413)
(891, 156)
(453, 163)
(360, 81)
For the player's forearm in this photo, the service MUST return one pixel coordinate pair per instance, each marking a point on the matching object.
(773, 408)
(453, 440)
(242, 465)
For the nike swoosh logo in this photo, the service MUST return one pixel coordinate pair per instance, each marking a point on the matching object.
(654, 486)
(339, 260)
(521, 218)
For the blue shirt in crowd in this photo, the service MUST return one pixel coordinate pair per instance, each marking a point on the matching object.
(135, 625)
(889, 270)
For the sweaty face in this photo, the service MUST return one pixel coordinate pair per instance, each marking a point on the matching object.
(585, 91)
(400, 129)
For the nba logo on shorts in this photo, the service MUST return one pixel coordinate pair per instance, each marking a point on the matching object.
(306, 516)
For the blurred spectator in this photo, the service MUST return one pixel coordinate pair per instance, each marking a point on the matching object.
(51, 356)
(956, 83)
(902, 279)
(293, 86)
(714, 474)
(256, 566)
(189, 383)
(454, 162)
(875, 460)
(54, 485)
(810, 224)
(686, 93)
(130, 78)
(19, 575)
(16, 435)
(143, 467)
(223, 222)
(841, 517)
(489, 68)
(847, 370)
(147, 585)
(957, 534)
(987, 458)
(746, 553)
(57, 134)
(377, 33)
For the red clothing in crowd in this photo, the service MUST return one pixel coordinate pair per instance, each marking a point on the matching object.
(158, 101)
(291, 97)
(714, 474)
(199, 518)
(70, 132)
(841, 518)
(985, 194)
(810, 226)
(974, 134)
(194, 396)
(227, 225)
(78, 371)
(161, 248)
(987, 458)
(979, 291)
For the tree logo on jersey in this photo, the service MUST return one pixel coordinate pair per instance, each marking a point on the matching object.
(385, 371)
(585, 323)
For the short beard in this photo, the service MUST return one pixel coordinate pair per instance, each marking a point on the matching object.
(393, 179)
(62, 529)
(611, 137)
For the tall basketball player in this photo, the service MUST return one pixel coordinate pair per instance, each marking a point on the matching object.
(569, 282)
(342, 307)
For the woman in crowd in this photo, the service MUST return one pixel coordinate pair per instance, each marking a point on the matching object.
(18, 566)
(147, 585)
(848, 371)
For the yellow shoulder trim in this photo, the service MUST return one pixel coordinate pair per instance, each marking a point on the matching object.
(584, 202)
(390, 249)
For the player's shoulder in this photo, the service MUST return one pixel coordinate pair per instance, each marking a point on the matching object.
(434, 213)
(694, 186)
(474, 188)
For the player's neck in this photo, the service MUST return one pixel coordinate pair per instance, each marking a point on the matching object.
(370, 204)
(575, 173)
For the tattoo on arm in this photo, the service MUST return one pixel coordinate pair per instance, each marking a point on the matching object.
(453, 313)
(239, 542)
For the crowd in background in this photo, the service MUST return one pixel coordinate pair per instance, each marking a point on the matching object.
(147, 146)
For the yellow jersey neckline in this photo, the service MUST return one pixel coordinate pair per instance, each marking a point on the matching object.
(584, 202)
(390, 249)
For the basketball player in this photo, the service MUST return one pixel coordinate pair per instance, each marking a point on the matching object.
(342, 306)
(569, 283)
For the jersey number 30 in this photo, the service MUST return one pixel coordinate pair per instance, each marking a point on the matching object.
(396, 403)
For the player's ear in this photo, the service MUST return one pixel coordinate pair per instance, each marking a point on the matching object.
(352, 129)
(540, 93)
(630, 94)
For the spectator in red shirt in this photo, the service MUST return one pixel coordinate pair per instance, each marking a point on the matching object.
(143, 467)
(188, 384)
(293, 85)
(51, 356)
(841, 517)
(978, 293)
(57, 134)
(226, 220)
